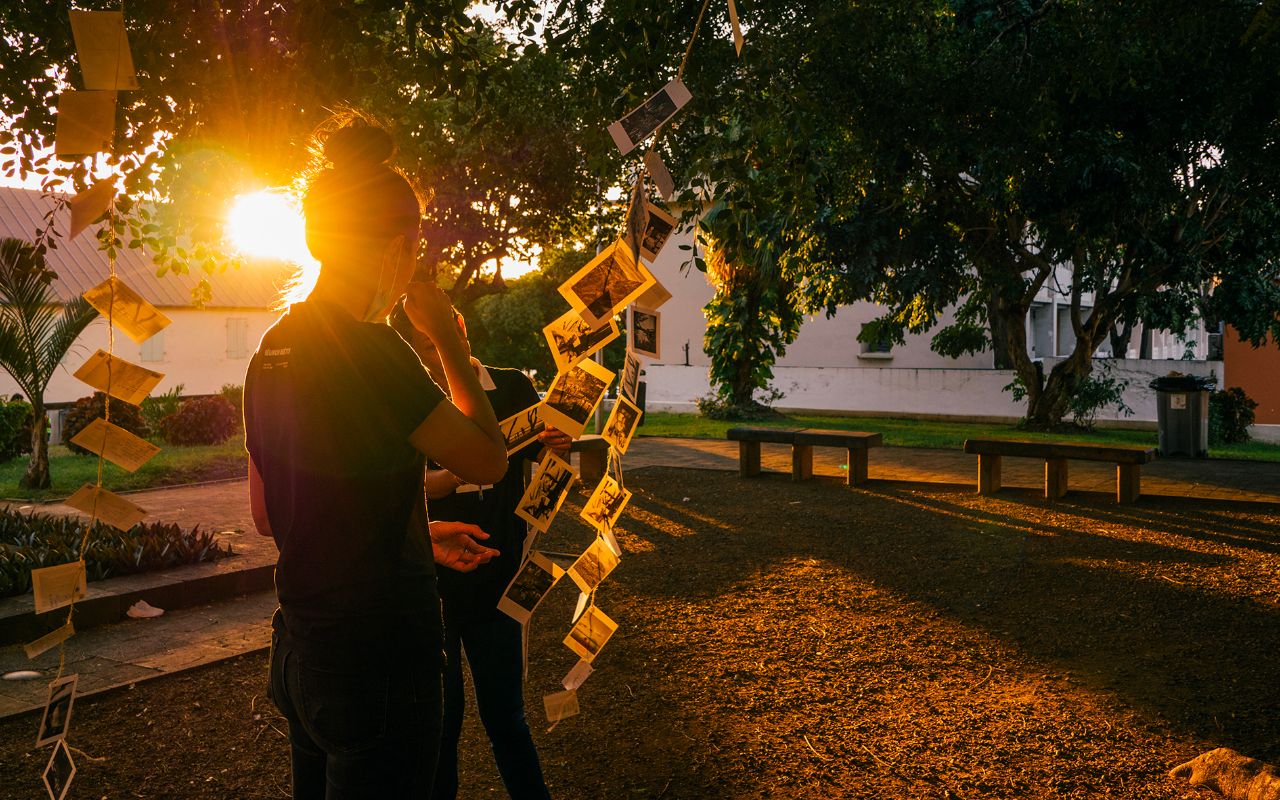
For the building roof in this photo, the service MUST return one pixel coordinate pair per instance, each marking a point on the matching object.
(81, 266)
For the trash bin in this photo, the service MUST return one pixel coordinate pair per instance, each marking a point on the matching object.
(1182, 414)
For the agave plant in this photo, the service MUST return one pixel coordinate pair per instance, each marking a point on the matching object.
(36, 331)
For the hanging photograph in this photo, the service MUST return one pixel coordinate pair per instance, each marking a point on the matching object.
(546, 492)
(593, 566)
(622, 424)
(572, 339)
(606, 504)
(57, 711)
(521, 428)
(605, 286)
(590, 634)
(59, 773)
(658, 228)
(650, 115)
(644, 332)
(528, 588)
(574, 395)
(630, 383)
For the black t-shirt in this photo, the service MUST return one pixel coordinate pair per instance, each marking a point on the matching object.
(329, 405)
(473, 595)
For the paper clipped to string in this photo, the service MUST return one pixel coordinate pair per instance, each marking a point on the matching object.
(103, 49)
(58, 586)
(561, 705)
(574, 395)
(49, 641)
(607, 284)
(115, 444)
(577, 676)
(737, 27)
(661, 175)
(127, 310)
(590, 633)
(546, 492)
(119, 378)
(572, 339)
(60, 772)
(106, 507)
(639, 123)
(593, 566)
(86, 123)
(89, 205)
(56, 719)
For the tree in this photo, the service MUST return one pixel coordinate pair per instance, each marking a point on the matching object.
(36, 330)
(933, 155)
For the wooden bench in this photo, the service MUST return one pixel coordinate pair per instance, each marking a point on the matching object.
(802, 442)
(1128, 461)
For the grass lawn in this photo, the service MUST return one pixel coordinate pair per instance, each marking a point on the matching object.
(929, 433)
(172, 466)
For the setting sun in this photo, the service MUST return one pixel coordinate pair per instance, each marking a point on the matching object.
(268, 224)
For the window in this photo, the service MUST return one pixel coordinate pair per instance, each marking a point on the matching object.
(153, 348)
(881, 348)
(237, 337)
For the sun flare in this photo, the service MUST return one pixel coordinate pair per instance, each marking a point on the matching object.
(268, 224)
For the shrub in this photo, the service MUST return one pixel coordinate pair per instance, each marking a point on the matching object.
(159, 406)
(87, 409)
(234, 393)
(31, 541)
(201, 420)
(16, 419)
(1230, 415)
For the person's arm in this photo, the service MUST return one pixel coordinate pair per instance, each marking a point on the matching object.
(258, 501)
(461, 436)
(454, 545)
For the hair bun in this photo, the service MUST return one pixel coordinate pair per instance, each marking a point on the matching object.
(359, 145)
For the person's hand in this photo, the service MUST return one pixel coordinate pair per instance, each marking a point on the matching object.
(454, 545)
(431, 311)
(556, 440)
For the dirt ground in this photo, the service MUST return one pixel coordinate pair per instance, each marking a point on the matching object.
(815, 641)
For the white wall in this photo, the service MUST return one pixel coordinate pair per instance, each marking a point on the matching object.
(195, 353)
(973, 393)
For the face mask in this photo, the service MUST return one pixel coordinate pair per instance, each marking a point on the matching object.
(393, 261)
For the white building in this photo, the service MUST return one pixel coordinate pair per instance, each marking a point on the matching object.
(827, 369)
(203, 349)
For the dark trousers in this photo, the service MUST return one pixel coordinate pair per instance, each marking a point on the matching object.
(368, 734)
(495, 655)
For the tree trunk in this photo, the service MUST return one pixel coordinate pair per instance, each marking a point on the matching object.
(1008, 324)
(743, 390)
(1120, 337)
(37, 474)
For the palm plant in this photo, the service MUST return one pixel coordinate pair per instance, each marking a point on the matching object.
(36, 330)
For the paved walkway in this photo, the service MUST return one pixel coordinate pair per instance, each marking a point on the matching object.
(138, 649)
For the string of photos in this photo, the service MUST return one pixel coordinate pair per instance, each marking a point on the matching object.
(616, 280)
(85, 129)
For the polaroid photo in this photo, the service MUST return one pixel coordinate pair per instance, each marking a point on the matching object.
(60, 772)
(58, 586)
(572, 339)
(593, 566)
(528, 588)
(606, 504)
(102, 46)
(85, 124)
(590, 634)
(57, 712)
(574, 395)
(561, 705)
(645, 332)
(126, 309)
(521, 428)
(607, 284)
(546, 492)
(639, 123)
(630, 383)
(661, 176)
(659, 225)
(622, 424)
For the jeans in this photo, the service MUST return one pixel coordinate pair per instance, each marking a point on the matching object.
(368, 734)
(495, 655)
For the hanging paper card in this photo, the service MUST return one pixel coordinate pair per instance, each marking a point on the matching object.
(58, 586)
(608, 283)
(57, 711)
(737, 28)
(86, 123)
(546, 491)
(126, 309)
(572, 339)
(106, 506)
(645, 332)
(528, 588)
(657, 230)
(593, 566)
(630, 382)
(90, 204)
(561, 705)
(117, 377)
(49, 640)
(577, 676)
(622, 424)
(653, 299)
(60, 772)
(115, 444)
(606, 504)
(642, 121)
(574, 395)
(661, 175)
(590, 634)
(103, 49)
